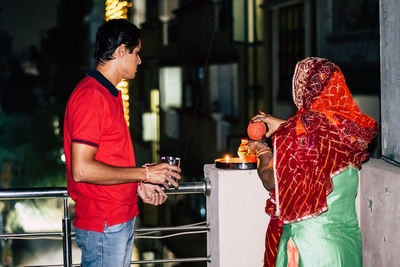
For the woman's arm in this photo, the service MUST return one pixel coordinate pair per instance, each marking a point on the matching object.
(265, 168)
(266, 171)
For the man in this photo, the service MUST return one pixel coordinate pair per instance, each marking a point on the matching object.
(101, 174)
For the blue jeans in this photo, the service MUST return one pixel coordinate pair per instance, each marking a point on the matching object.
(113, 247)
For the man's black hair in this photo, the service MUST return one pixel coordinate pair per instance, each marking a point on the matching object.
(112, 34)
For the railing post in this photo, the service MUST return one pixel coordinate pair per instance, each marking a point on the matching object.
(67, 236)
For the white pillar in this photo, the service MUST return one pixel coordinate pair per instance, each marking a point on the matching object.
(235, 213)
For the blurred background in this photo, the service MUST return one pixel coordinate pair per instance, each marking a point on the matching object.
(208, 67)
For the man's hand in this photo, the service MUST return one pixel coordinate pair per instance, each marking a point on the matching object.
(151, 194)
(163, 173)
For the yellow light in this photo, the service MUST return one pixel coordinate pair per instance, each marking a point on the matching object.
(227, 158)
(123, 83)
(117, 9)
(123, 87)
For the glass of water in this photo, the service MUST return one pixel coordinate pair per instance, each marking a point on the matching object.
(175, 161)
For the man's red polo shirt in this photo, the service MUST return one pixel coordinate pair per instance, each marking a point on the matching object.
(94, 117)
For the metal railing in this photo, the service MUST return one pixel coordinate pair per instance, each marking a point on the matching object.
(202, 187)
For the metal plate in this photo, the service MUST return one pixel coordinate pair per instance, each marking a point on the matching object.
(222, 164)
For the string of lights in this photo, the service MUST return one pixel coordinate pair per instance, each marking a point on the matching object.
(116, 9)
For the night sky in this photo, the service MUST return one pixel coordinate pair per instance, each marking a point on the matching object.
(27, 20)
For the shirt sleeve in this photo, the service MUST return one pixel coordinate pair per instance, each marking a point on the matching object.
(87, 117)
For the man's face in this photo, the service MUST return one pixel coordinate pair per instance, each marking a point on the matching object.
(130, 62)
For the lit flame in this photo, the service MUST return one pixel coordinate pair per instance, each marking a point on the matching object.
(227, 158)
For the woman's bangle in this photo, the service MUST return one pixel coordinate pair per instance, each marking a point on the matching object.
(265, 150)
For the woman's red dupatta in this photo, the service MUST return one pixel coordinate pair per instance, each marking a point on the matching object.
(328, 134)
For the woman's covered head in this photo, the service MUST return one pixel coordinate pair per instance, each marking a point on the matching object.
(320, 87)
(310, 78)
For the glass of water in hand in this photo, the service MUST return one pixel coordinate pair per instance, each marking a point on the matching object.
(175, 161)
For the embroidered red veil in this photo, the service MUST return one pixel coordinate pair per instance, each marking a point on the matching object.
(328, 134)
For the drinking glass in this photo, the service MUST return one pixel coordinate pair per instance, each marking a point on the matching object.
(175, 161)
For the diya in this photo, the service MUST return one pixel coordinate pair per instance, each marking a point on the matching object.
(247, 162)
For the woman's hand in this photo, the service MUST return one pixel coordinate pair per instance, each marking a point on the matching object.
(256, 146)
(151, 194)
(273, 123)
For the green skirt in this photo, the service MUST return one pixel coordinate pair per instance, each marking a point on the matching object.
(332, 239)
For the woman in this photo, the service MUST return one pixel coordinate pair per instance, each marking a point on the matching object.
(313, 174)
